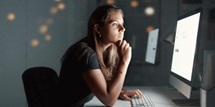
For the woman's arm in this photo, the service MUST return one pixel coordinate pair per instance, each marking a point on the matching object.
(108, 93)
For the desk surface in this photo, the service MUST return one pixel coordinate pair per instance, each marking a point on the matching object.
(161, 96)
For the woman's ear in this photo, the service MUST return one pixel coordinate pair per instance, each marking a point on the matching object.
(97, 29)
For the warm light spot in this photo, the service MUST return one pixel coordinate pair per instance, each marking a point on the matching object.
(48, 37)
(134, 3)
(61, 6)
(53, 10)
(110, 1)
(49, 21)
(43, 29)
(57, 0)
(149, 11)
(11, 16)
(149, 28)
(34, 42)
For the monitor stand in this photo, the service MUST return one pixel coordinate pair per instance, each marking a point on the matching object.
(187, 102)
(194, 99)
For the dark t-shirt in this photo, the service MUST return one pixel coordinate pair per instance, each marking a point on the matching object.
(79, 58)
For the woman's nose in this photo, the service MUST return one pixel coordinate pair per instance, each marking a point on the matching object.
(122, 28)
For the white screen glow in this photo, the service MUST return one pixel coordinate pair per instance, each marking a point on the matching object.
(185, 46)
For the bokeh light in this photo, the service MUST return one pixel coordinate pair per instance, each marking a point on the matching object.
(110, 1)
(149, 28)
(57, 0)
(11, 16)
(149, 11)
(34, 42)
(61, 6)
(48, 37)
(43, 29)
(134, 3)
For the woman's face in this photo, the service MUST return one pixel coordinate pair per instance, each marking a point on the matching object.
(113, 29)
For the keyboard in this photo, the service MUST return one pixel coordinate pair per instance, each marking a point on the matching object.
(145, 101)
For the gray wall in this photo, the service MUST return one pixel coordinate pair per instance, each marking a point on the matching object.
(17, 53)
(13, 53)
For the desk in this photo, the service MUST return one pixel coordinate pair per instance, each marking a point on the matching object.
(160, 95)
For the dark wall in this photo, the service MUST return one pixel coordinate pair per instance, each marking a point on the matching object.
(170, 10)
(148, 74)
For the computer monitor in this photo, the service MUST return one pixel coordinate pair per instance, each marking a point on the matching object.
(152, 46)
(185, 54)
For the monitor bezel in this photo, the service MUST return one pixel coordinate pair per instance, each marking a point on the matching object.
(194, 72)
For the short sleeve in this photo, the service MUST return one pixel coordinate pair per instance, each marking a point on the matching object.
(87, 58)
(93, 62)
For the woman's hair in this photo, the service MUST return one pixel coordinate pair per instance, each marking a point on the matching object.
(107, 60)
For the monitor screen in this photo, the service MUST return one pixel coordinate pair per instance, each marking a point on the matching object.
(185, 46)
(184, 53)
(152, 46)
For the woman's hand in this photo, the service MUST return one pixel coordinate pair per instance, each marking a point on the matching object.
(124, 51)
(126, 95)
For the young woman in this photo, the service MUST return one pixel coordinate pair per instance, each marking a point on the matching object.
(97, 64)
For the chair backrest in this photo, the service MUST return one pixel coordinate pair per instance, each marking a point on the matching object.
(38, 83)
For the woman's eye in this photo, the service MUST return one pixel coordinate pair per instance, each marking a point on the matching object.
(114, 24)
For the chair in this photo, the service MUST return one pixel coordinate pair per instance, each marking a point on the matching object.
(38, 82)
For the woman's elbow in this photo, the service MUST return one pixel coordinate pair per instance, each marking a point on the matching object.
(109, 103)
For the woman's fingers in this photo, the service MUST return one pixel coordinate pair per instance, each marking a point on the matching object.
(135, 92)
(127, 46)
(138, 93)
(124, 51)
(126, 97)
(122, 44)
